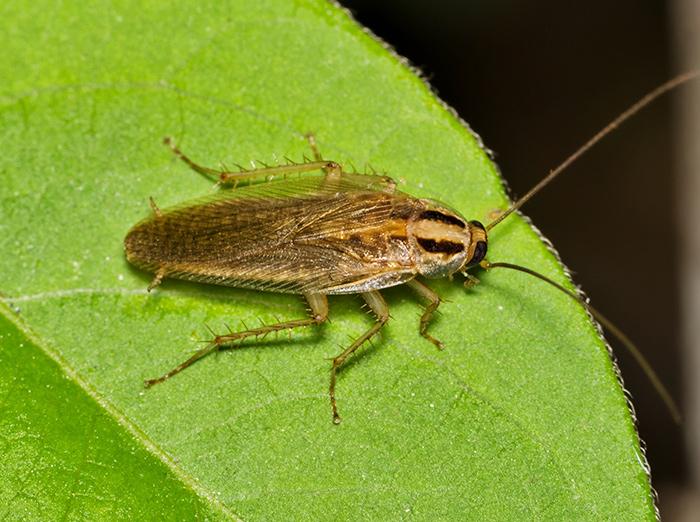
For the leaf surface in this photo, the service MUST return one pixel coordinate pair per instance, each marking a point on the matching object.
(520, 417)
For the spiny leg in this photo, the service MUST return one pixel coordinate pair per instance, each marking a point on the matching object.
(157, 278)
(156, 210)
(334, 173)
(233, 177)
(376, 302)
(319, 313)
(425, 291)
(314, 148)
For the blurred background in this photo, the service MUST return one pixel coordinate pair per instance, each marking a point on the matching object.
(536, 80)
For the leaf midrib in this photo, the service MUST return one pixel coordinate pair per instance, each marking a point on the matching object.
(116, 415)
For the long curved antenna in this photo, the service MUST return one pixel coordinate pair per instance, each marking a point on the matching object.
(635, 108)
(608, 325)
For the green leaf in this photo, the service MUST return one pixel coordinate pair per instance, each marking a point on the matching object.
(520, 417)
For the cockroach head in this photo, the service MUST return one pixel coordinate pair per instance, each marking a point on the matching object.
(444, 242)
(478, 245)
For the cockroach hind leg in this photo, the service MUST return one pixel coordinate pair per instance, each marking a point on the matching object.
(269, 172)
(157, 279)
(205, 171)
(376, 302)
(319, 308)
(233, 177)
(211, 347)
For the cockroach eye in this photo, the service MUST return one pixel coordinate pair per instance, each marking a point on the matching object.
(479, 253)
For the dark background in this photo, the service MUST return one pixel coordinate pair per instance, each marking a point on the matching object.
(536, 80)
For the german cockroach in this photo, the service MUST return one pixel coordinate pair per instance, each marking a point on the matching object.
(331, 233)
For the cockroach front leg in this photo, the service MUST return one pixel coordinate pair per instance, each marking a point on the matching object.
(376, 302)
(470, 281)
(425, 291)
(319, 313)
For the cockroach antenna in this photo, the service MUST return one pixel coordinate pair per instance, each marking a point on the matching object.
(607, 324)
(634, 109)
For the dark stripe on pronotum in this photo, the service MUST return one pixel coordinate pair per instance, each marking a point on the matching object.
(434, 215)
(443, 247)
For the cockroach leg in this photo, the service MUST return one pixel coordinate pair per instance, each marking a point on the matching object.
(314, 148)
(332, 170)
(228, 177)
(319, 313)
(376, 302)
(470, 281)
(335, 171)
(157, 279)
(154, 207)
(426, 292)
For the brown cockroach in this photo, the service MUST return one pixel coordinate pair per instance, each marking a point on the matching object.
(331, 233)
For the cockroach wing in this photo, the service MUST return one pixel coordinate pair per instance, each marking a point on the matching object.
(310, 234)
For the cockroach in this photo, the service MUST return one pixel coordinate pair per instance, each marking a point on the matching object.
(334, 232)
